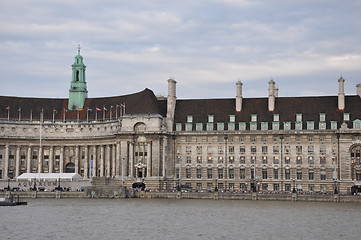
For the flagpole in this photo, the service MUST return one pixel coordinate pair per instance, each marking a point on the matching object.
(31, 115)
(19, 114)
(53, 115)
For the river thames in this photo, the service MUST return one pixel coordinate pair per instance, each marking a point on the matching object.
(179, 219)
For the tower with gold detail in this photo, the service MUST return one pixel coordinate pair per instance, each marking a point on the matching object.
(78, 91)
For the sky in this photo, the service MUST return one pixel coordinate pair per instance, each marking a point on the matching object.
(205, 45)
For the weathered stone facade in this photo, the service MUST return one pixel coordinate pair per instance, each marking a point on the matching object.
(266, 144)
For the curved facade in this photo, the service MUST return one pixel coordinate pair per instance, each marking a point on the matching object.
(310, 144)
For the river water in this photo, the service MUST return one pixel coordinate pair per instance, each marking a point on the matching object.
(179, 219)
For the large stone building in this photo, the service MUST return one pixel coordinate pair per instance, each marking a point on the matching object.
(274, 143)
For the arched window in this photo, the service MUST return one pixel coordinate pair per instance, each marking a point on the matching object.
(70, 168)
(140, 127)
(355, 154)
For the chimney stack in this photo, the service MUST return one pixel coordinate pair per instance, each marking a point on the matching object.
(358, 87)
(341, 93)
(271, 95)
(171, 102)
(239, 97)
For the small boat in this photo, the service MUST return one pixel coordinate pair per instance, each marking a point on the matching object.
(12, 201)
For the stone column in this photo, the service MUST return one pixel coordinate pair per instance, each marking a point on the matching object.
(6, 162)
(85, 163)
(61, 164)
(94, 161)
(76, 162)
(113, 160)
(51, 159)
(17, 161)
(149, 159)
(28, 160)
(40, 160)
(107, 160)
(131, 158)
(117, 160)
(101, 161)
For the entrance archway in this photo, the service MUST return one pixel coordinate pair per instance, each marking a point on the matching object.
(70, 168)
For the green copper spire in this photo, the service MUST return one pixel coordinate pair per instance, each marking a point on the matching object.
(78, 91)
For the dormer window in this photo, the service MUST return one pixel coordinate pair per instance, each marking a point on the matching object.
(232, 118)
(210, 118)
(299, 117)
(276, 117)
(346, 117)
(253, 117)
(189, 119)
(322, 117)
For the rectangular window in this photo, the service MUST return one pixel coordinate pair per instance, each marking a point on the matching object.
(298, 126)
(299, 174)
(276, 149)
(322, 125)
(242, 149)
(298, 160)
(232, 118)
(198, 150)
(242, 173)
(220, 159)
(189, 119)
(210, 118)
(287, 174)
(287, 160)
(333, 125)
(276, 117)
(253, 149)
(199, 127)
(242, 159)
(231, 159)
(209, 173)
(253, 117)
(199, 173)
(275, 126)
(310, 149)
(220, 126)
(231, 126)
(220, 173)
(189, 127)
(264, 174)
(188, 173)
(311, 175)
(178, 127)
(322, 160)
(298, 149)
(189, 159)
(311, 160)
(311, 187)
(264, 126)
(231, 173)
(322, 150)
(231, 149)
(287, 187)
(210, 126)
(310, 125)
(199, 159)
(242, 126)
(275, 173)
(253, 126)
(298, 117)
(322, 117)
(264, 159)
(264, 149)
(276, 160)
(276, 187)
(287, 125)
(323, 175)
(188, 150)
(346, 117)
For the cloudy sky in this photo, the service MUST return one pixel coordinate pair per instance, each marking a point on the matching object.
(205, 45)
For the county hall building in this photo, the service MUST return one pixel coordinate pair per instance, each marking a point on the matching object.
(270, 144)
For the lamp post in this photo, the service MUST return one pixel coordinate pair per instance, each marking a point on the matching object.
(335, 188)
(225, 162)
